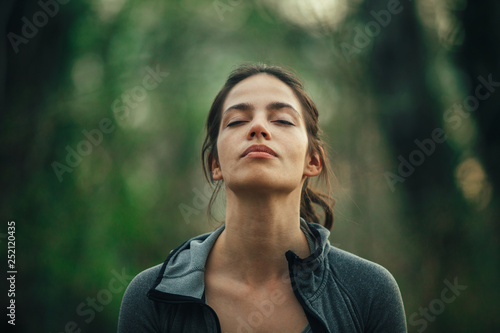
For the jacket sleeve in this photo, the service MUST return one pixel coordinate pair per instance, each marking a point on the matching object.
(139, 314)
(386, 311)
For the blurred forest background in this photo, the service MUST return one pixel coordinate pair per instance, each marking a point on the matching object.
(103, 104)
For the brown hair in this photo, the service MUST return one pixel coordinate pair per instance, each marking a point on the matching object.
(315, 144)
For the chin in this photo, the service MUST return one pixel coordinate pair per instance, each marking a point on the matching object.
(261, 183)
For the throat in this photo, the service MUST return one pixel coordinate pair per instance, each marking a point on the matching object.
(256, 259)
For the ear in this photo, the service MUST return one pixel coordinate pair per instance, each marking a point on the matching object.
(216, 171)
(313, 164)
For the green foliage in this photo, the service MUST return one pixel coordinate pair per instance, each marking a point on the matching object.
(133, 81)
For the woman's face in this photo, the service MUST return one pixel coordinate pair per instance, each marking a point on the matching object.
(262, 110)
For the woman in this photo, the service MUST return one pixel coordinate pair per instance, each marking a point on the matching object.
(270, 267)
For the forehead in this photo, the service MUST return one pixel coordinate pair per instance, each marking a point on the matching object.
(261, 89)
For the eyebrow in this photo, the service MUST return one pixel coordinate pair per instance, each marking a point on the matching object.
(271, 106)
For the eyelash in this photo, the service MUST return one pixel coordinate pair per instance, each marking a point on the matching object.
(235, 123)
(284, 122)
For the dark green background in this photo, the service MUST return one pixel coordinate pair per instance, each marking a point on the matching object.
(378, 90)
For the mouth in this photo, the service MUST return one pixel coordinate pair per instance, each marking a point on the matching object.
(262, 151)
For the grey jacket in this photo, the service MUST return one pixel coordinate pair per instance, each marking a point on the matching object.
(339, 291)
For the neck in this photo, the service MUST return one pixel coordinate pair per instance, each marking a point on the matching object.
(259, 231)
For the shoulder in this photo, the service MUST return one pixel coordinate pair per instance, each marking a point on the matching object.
(144, 279)
(352, 270)
(372, 288)
(137, 311)
(136, 292)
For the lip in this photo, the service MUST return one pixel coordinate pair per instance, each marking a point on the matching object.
(262, 151)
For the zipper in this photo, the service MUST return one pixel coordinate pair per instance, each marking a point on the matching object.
(158, 296)
(291, 257)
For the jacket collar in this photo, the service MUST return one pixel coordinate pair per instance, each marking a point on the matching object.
(181, 277)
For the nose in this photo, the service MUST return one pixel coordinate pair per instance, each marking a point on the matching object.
(259, 128)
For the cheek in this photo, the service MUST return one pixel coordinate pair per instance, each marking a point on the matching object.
(220, 153)
(301, 145)
(298, 154)
(223, 150)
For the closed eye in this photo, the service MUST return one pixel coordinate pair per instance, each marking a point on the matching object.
(284, 122)
(235, 123)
